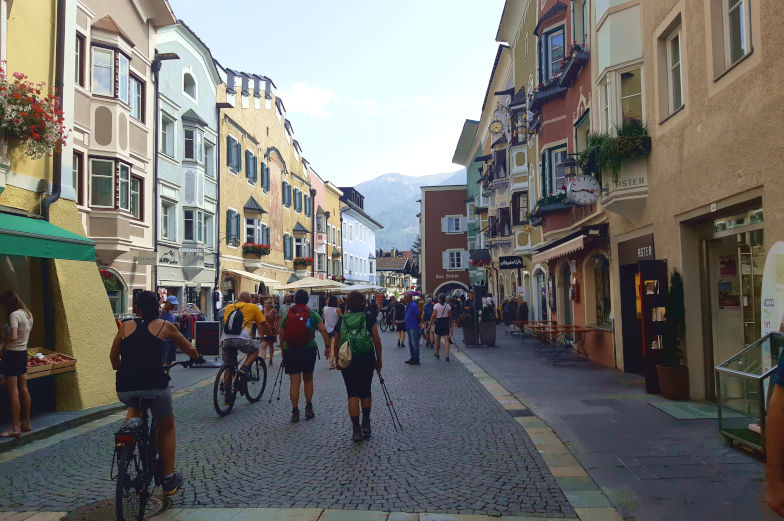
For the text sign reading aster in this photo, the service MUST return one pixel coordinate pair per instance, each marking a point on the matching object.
(507, 263)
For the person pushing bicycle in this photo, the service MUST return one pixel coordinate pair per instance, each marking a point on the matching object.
(136, 355)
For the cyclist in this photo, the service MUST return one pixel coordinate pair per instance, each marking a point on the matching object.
(241, 340)
(136, 356)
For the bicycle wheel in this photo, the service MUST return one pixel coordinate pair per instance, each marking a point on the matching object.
(133, 484)
(224, 395)
(256, 381)
(383, 324)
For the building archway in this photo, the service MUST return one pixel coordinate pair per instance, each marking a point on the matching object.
(116, 289)
(449, 287)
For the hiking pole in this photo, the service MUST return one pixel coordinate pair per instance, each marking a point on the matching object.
(390, 404)
(278, 379)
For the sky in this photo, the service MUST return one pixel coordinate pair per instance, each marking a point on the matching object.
(370, 87)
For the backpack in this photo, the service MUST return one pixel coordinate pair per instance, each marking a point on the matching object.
(428, 310)
(400, 311)
(297, 330)
(356, 338)
(233, 324)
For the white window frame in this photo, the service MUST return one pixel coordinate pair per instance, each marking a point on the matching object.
(637, 67)
(185, 220)
(138, 194)
(671, 65)
(93, 83)
(611, 107)
(745, 7)
(92, 188)
(167, 141)
(123, 78)
(551, 71)
(136, 99)
(209, 162)
(124, 187)
(198, 145)
(453, 224)
(253, 226)
(168, 224)
(299, 247)
(455, 254)
(195, 97)
(209, 230)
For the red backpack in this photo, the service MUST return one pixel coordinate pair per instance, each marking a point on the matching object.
(298, 330)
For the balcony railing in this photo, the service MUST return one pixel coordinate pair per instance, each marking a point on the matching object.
(572, 67)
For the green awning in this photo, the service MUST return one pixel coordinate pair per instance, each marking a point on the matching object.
(38, 238)
(293, 278)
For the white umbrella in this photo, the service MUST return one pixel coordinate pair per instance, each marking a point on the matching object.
(362, 288)
(312, 283)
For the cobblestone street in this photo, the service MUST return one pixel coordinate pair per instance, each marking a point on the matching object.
(461, 452)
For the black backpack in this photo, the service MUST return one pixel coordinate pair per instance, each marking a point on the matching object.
(233, 325)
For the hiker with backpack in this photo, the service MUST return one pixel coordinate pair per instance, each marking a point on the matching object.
(297, 343)
(239, 319)
(360, 355)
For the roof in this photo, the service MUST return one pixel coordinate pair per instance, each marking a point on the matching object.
(391, 263)
(195, 36)
(299, 228)
(253, 206)
(498, 54)
(519, 99)
(108, 24)
(191, 116)
(500, 141)
(352, 207)
(464, 142)
(559, 7)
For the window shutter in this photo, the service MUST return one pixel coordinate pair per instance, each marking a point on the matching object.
(237, 226)
(229, 151)
(238, 156)
(463, 224)
(444, 224)
(284, 192)
(266, 235)
(464, 259)
(445, 260)
(247, 166)
(229, 225)
(255, 169)
(267, 173)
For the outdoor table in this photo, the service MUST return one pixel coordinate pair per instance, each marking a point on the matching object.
(577, 345)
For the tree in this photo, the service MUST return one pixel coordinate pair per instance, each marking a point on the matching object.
(416, 246)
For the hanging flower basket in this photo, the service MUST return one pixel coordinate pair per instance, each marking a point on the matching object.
(259, 249)
(303, 261)
(30, 113)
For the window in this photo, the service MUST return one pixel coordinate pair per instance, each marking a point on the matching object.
(737, 30)
(233, 159)
(504, 222)
(189, 225)
(287, 247)
(520, 208)
(79, 61)
(78, 174)
(232, 227)
(123, 77)
(265, 177)
(102, 183)
(209, 230)
(103, 71)
(167, 221)
(580, 22)
(194, 146)
(167, 135)
(319, 224)
(136, 197)
(321, 262)
(454, 224)
(631, 95)
(299, 248)
(674, 71)
(137, 99)
(189, 85)
(581, 130)
(251, 170)
(455, 259)
(254, 231)
(336, 268)
(606, 108)
(200, 226)
(553, 175)
(209, 160)
(601, 274)
(554, 53)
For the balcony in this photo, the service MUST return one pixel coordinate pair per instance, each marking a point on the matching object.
(572, 67)
(627, 194)
(546, 94)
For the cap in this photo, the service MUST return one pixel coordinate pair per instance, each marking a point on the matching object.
(171, 299)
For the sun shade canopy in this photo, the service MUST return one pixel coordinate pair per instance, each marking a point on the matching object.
(38, 238)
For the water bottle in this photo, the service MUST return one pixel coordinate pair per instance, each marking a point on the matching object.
(307, 324)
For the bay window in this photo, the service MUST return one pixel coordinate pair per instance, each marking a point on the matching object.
(631, 95)
(189, 225)
(136, 197)
(194, 145)
(137, 98)
(103, 71)
(125, 187)
(123, 77)
(196, 222)
(111, 74)
(102, 183)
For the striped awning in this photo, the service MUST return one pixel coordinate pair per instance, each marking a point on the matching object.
(566, 248)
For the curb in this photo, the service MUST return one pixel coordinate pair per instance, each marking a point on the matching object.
(589, 502)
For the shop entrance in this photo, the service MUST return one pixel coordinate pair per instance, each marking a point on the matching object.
(735, 260)
(631, 323)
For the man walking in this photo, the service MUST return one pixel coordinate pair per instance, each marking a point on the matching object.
(427, 313)
(412, 318)
(399, 314)
(169, 349)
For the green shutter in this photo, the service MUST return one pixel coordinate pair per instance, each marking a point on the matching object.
(229, 225)
(237, 226)
(229, 150)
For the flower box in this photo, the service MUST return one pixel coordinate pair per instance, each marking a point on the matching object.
(303, 261)
(259, 249)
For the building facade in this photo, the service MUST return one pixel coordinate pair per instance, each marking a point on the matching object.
(187, 169)
(359, 239)
(334, 230)
(442, 221)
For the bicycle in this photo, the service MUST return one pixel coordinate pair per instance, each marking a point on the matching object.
(228, 383)
(385, 322)
(138, 464)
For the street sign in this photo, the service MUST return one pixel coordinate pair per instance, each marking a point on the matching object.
(146, 258)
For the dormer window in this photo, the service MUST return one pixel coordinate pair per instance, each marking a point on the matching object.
(189, 85)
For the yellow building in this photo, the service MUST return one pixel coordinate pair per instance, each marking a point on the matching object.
(334, 229)
(51, 265)
(264, 187)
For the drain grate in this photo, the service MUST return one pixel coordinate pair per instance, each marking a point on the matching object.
(105, 510)
(520, 412)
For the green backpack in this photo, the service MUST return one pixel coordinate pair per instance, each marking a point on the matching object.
(354, 331)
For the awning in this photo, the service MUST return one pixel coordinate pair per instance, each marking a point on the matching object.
(272, 283)
(566, 248)
(38, 238)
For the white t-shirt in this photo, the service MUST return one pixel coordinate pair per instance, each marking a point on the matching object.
(23, 324)
(330, 318)
(441, 311)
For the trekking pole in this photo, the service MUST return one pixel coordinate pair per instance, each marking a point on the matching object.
(278, 380)
(390, 403)
(280, 383)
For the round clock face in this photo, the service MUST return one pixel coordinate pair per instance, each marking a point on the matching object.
(495, 126)
(583, 190)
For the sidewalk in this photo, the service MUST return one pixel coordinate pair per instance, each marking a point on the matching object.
(50, 423)
(651, 465)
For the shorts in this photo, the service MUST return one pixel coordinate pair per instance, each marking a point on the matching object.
(298, 360)
(400, 325)
(269, 338)
(230, 346)
(158, 400)
(14, 363)
(331, 334)
(359, 375)
(169, 353)
(442, 326)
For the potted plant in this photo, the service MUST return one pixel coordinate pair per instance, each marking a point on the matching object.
(259, 249)
(302, 262)
(674, 377)
(467, 321)
(487, 324)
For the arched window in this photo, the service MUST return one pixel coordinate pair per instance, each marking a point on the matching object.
(189, 85)
(601, 278)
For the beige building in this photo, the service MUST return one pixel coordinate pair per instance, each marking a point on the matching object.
(264, 187)
(113, 132)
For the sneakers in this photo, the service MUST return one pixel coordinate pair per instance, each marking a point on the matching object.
(309, 414)
(366, 432)
(412, 362)
(295, 416)
(356, 432)
(244, 371)
(172, 484)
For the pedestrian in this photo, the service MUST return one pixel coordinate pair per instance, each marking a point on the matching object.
(286, 305)
(399, 313)
(427, 313)
(297, 342)
(359, 328)
(774, 442)
(136, 355)
(442, 319)
(13, 340)
(331, 314)
(233, 340)
(169, 349)
(269, 330)
(412, 318)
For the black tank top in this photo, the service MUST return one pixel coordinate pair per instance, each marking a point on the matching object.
(140, 361)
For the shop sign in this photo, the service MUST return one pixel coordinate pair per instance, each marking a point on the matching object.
(772, 304)
(508, 263)
(146, 258)
(168, 256)
(636, 250)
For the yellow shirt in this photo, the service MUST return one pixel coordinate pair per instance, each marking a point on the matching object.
(250, 314)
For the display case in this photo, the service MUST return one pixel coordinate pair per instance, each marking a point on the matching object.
(742, 391)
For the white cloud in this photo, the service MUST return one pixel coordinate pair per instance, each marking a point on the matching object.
(419, 100)
(310, 100)
(371, 107)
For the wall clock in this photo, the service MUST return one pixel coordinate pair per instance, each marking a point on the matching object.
(583, 190)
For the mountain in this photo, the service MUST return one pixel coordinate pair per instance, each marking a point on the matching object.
(391, 199)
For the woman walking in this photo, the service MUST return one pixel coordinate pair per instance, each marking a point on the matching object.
(442, 317)
(269, 330)
(14, 363)
(360, 330)
(331, 314)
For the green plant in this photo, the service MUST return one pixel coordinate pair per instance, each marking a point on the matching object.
(551, 199)
(674, 323)
(603, 153)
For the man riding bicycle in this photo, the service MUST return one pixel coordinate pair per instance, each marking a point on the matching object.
(136, 355)
(238, 338)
